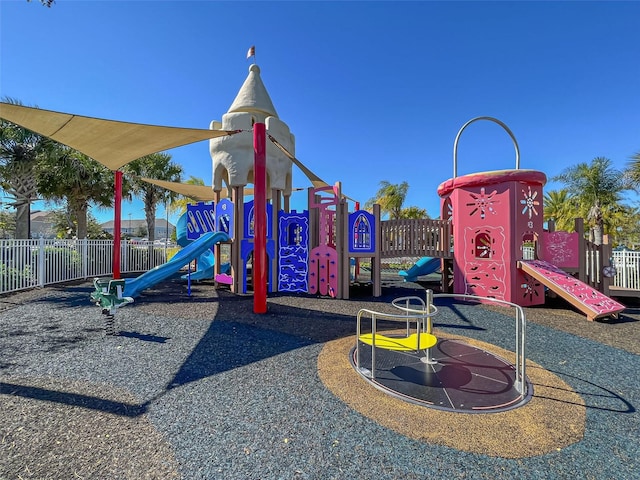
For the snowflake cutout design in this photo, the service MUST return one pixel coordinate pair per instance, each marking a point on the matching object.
(530, 288)
(530, 203)
(449, 213)
(483, 203)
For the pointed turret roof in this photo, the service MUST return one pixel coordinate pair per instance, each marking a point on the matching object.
(253, 96)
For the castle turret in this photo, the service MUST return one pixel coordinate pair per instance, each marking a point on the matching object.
(232, 156)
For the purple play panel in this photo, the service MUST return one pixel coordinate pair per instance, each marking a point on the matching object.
(460, 377)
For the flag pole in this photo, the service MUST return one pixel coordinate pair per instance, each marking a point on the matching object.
(252, 53)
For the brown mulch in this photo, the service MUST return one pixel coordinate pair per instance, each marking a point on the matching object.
(622, 332)
(69, 437)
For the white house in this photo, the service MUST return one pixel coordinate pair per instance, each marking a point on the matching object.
(132, 227)
(42, 224)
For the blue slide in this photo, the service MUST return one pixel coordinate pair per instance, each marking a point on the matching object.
(205, 262)
(424, 266)
(133, 286)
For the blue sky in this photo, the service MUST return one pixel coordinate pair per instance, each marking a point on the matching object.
(372, 91)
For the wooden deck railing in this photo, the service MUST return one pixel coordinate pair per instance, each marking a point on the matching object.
(415, 238)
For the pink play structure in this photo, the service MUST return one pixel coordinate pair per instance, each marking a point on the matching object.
(500, 247)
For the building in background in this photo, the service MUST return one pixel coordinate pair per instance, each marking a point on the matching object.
(43, 224)
(138, 228)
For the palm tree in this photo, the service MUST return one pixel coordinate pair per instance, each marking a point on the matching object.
(624, 225)
(390, 197)
(633, 171)
(597, 188)
(179, 205)
(20, 150)
(416, 213)
(68, 176)
(46, 3)
(159, 167)
(560, 207)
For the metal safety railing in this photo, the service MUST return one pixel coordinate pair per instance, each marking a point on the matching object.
(520, 381)
(421, 312)
(415, 310)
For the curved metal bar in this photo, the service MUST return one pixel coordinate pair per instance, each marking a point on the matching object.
(418, 316)
(502, 124)
(407, 307)
(521, 325)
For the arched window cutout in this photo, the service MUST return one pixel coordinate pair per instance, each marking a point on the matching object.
(447, 209)
(361, 233)
(483, 245)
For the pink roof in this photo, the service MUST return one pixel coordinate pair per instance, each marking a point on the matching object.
(491, 178)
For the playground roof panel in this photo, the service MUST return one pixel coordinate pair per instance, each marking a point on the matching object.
(493, 177)
(111, 143)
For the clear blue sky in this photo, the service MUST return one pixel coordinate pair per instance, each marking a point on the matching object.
(372, 90)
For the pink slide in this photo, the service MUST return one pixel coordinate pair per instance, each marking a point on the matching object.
(585, 298)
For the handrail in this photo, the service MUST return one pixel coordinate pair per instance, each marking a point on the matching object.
(502, 124)
(429, 310)
(521, 324)
(422, 318)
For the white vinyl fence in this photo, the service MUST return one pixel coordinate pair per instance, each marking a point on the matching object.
(627, 265)
(35, 263)
(26, 264)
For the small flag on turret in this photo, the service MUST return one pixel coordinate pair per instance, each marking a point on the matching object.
(251, 52)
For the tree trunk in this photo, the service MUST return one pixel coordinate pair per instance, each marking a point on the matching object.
(23, 221)
(598, 233)
(81, 218)
(150, 212)
(23, 189)
(595, 215)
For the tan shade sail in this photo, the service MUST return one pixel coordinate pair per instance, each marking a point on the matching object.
(200, 193)
(110, 142)
(315, 180)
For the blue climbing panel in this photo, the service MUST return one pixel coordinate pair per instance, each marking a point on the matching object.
(293, 258)
(200, 219)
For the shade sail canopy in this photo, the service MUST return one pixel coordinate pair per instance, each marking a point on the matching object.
(200, 193)
(109, 142)
(315, 180)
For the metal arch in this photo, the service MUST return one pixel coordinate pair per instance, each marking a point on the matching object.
(502, 124)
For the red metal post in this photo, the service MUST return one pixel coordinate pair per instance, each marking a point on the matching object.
(117, 221)
(260, 219)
